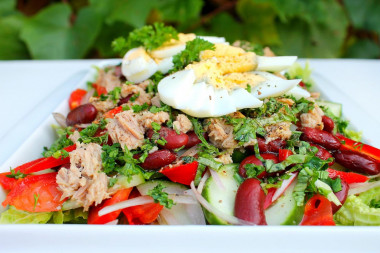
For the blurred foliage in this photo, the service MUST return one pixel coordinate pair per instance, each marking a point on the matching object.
(67, 29)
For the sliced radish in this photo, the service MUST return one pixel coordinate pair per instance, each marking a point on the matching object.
(285, 184)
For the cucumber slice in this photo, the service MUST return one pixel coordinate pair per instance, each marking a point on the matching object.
(335, 108)
(285, 210)
(127, 182)
(222, 199)
(170, 187)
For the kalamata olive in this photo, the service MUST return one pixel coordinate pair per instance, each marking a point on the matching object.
(272, 146)
(341, 195)
(193, 139)
(158, 159)
(357, 162)
(328, 124)
(322, 153)
(173, 140)
(320, 137)
(249, 202)
(81, 115)
(124, 100)
(254, 160)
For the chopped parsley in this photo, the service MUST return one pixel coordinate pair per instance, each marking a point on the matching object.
(36, 197)
(150, 37)
(374, 203)
(253, 170)
(62, 142)
(140, 108)
(161, 197)
(87, 134)
(16, 175)
(112, 181)
(134, 97)
(191, 53)
(245, 129)
(113, 95)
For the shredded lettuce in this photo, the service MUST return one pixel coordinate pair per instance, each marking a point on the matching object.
(296, 71)
(14, 216)
(357, 211)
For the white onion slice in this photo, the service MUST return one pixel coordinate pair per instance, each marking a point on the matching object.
(60, 119)
(203, 181)
(229, 218)
(190, 152)
(168, 217)
(217, 179)
(86, 98)
(362, 187)
(285, 184)
(142, 200)
(114, 222)
(195, 212)
(83, 125)
(183, 199)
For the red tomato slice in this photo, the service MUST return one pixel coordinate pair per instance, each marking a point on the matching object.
(359, 147)
(94, 218)
(76, 98)
(349, 177)
(99, 89)
(142, 214)
(183, 174)
(6, 182)
(318, 212)
(37, 193)
(111, 114)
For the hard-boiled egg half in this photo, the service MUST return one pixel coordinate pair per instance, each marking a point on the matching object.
(225, 80)
(138, 64)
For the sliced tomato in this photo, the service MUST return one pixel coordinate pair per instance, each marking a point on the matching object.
(356, 146)
(142, 214)
(94, 218)
(183, 174)
(349, 177)
(38, 193)
(111, 114)
(76, 98)
(283, 154)
(318, 212)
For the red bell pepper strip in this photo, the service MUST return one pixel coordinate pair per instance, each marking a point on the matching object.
(142, 214)
(99, 89)
(269, 196)
(37, 193)
(76, 98)
(183, 174)
(349, 177)
(318, 212)
(94, 218)
(362, 148)
(34, 166)
(283, 154)
(111, 114)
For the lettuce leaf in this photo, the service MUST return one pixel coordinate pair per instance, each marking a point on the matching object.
(14, 216)
(357, 211)
(296, 71)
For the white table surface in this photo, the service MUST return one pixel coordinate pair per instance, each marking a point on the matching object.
(30, 90)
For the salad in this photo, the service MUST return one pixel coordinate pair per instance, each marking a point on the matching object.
(190, 129)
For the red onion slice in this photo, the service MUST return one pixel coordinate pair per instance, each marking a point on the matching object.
(229, 218)
(60, 119)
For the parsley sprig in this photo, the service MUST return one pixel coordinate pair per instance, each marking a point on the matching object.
(150, 37)
(159, 196)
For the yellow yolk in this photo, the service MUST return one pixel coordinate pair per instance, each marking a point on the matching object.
(221, 50)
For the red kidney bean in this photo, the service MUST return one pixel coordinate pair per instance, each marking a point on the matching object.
(322, 153)
(341, 195)
(124, 100)
(193, 139)
(249, 202)
(357, 162)
(328, 124)
(272, 146)
(81, 115)
(254, 160)
(173, 139)
(158, 159)
(320, 137)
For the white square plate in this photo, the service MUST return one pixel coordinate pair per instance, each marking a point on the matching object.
(81, 238)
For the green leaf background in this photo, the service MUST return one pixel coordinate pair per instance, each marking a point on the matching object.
(74, 29)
